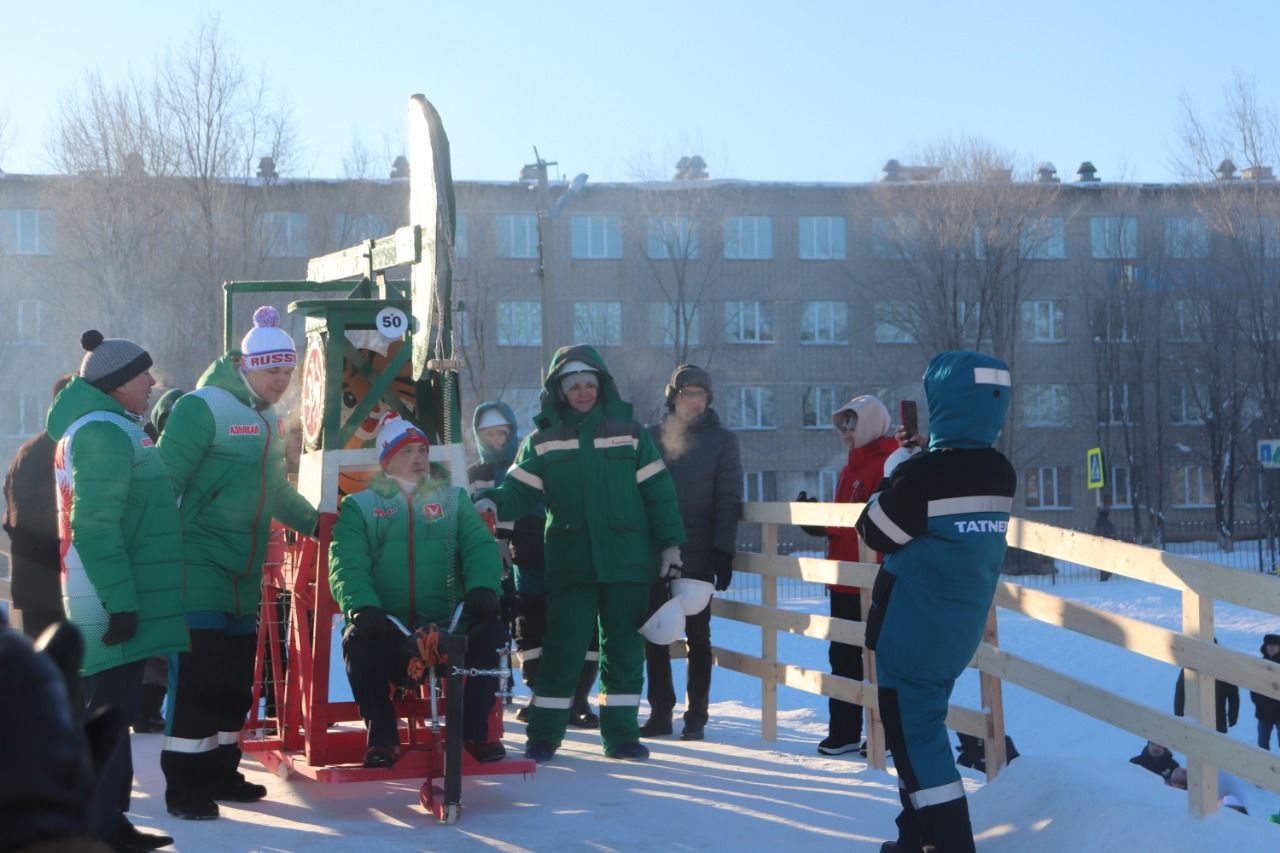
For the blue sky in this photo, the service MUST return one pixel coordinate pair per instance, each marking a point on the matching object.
(794, 91)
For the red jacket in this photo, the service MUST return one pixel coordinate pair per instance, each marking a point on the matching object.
(860, 477)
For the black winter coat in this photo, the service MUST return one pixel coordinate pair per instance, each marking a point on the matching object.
(31, 520)
(706, 466)
(1264, 707)
(1226, 701)
(1162, 766)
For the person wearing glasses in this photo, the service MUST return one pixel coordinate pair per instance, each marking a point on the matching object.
(864, 427)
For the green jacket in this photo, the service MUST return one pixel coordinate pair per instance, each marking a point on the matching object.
(414, 557)
(224, 448)
(118, 522)
(610, 501)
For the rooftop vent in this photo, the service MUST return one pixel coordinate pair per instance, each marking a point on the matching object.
(1226, 170)
(400, 168)
(691, 168)
(267, 169)
(1086, 174)
(1046, 173)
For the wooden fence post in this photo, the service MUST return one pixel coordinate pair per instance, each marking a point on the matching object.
(993, 706)
(1202, 778)
(769, 640)
(875, 726)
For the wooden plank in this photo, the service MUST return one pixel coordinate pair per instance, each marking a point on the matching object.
(769, 640)
(1195, 741)
(1250, 673)
(396, 249)
(811, 625)
(814, 514)
(813, 569)
(1202, 782)
(993, 704)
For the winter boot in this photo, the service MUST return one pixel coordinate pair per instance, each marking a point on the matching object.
(630, 752)
(657, 725)
(186, 778)
(229, 785)
(148, 720)
(580, 715)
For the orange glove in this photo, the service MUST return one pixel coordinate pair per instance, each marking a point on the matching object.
(429, 642)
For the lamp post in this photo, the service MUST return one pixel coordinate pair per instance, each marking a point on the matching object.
(548, 213)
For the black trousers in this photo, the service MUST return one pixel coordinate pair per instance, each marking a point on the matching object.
(846, 662)
(661, 691)
(120, 687)
(374, 665)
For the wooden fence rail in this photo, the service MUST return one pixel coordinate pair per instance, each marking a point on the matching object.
(1199, 582)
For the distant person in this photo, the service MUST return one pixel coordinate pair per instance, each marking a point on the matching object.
(706, 466)
(940, 518)
(1232, 793)
(1103, 526)
(1157, 759)
(31, 520)
(1266, 709)
(121, 544)
(612, 525)
(497, 440)
(1226, 702)
(864, 426)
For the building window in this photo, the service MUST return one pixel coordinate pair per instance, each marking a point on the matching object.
(1191, 486)
(1045, 405)
(1113, 404)
(461, 237)
(1043, 239)
(1261, 237)
(30, 321)
(758, 486)
(824, 323)
(359, 227)
(1044, 321)
(819, 404)
(672, 238)
(21, 414)
(822, 238)
(597, 323)
(748, 238)
(894, 238)
(519, 324)
(283, 235)
(515, 235)
(1186, 237)
(26, 232)
(748, 322)
(751, 407)
(896, 322)
(1048, 487)
(827, 485)
(1186, 405)
(1119, 489)
(597, 237)
(1113, 237)
(525, 404)
(663, 325)
(1113, 324)
(1183, 327)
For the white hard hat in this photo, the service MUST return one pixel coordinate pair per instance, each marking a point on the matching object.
(666, 625)
(693, 595)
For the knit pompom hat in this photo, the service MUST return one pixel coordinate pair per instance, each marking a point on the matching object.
(109, 363)
(395, 433)
(685, 375)
(267, 345)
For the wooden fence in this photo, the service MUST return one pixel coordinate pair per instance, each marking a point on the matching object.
(1200, 583)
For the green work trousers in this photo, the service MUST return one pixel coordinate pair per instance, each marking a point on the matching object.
(616, 610)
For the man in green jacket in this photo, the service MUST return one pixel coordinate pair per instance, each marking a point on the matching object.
(121, 545)
(224, 447)
(405, 552)
(611, 510)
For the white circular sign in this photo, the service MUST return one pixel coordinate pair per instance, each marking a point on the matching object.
(391, 322)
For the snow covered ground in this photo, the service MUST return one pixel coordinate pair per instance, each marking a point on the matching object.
(1073, 788)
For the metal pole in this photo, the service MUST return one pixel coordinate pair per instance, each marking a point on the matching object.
(545, 241)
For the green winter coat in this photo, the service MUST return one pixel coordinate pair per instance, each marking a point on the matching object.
(610, 501)
(224, 448)
(414, 557)
(118, 521)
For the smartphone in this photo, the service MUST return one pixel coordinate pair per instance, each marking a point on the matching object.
(907, 415)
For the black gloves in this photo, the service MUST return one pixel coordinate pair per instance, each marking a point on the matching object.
(120, 627)
(803, 497)
(722, 568)
(480, 606)
(368, 623)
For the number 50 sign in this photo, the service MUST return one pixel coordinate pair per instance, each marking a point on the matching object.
(391, 322)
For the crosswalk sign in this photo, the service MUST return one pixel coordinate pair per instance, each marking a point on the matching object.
(1093, 458)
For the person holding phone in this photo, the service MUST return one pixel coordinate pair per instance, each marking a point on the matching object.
(864, 427)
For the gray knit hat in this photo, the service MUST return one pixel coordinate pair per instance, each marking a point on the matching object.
(111, 362)
(685, 375)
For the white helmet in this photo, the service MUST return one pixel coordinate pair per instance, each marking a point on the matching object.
(693, 595)
(666, 625)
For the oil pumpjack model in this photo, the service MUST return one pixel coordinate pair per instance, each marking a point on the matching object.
(373, 345)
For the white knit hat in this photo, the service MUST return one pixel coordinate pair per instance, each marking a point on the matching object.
(267, 345)
(395, 433)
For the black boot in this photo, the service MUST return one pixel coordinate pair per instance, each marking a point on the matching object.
(186, 778)
(229, 784)
(581, 715)
(148, 720)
